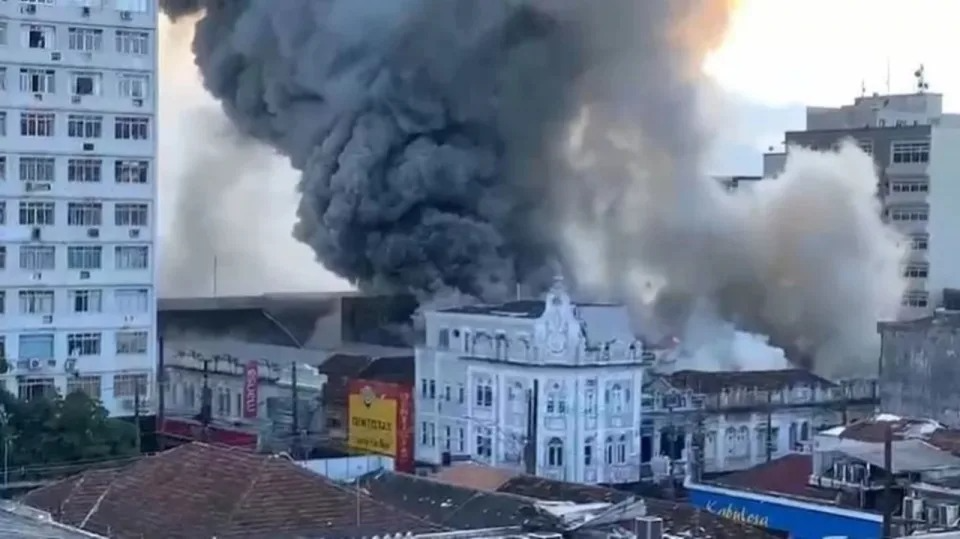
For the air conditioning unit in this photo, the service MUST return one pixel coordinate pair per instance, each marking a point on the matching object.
(48, 319)
(947, 514)
(127, 404)
(75, 99)
(35, 233)
(38, 97)
(138, 102)
(88, 146)
(84, 274)
(55, 56)
(134, 232)
(37, 276)
(70, 365)
(35, 364)
(93, 232)
(913, 508)
(126, 16)
(28, 9)
(37, 186)
(85, 11)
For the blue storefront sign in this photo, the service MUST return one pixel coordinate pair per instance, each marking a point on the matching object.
(802, 520)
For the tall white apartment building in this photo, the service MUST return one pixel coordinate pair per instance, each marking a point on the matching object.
(78, 191)
(916, 147)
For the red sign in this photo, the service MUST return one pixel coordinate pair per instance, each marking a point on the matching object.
(403, 395)
(251, 387)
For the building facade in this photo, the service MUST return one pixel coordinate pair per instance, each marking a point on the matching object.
(915, 146)
(745, 417)
(77, 198)
(545, 386)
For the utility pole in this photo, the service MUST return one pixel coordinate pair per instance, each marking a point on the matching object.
(161, 394)
(769, 425)
(215, 276)
(295, 413)
(136, 411)
(6, 446)
(205, 401)
(888, 484)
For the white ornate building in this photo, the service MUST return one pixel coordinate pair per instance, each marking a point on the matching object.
(546, 386)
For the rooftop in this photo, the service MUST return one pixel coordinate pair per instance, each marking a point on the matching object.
(25, 522)
(528, 308)
(788, 476)
(711, 382)
(473, 502)
(200, 490)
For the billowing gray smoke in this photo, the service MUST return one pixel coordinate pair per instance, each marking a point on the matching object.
(469, 145)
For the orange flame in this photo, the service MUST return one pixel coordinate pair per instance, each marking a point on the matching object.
(703, 26)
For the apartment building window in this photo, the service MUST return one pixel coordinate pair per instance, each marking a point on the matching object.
(39, 36)
(131, 128)
(37, 124)
(3, 33)
(84, 126)
(915, 298)
(37, 169)
(3, 79)
(3, 257)
(86, 83)
(38, 81)
(909, 187)
(36, 301)
(918, 213)
(3, 212)
(36, 346)
(84, 257)
(85, 214)
(131, 171)
(38, 257)
(920, 242)
(910, 152)
(37, 213)
(131, 300)
(133, 42)
(555, 453)
(86, 301)
(36, 388)
(3, 168)
(866, 146)
(85, 39)
(134, 85)
(131, 342)
(130, 214)
(916, 271)
(3, 118)
(84, 344)
(130, 385)
(84, 170)
(90, 385)
(132, 257)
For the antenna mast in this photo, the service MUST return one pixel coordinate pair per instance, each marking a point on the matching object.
(921, 76)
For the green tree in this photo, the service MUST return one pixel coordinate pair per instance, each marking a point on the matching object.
(62, 430)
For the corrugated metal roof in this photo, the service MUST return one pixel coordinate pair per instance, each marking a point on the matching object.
(908, 455)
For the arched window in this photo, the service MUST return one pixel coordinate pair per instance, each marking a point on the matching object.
(518, 398)
(793, 435)
(484, 393)
(555, 452)
(730, 441)
(804, 431)
(616, 398)
(588, 449)
(622, 449)
(608, 450)
(743, 441)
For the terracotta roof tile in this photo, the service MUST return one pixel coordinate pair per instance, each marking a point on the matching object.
(788, 475)
(200, 490)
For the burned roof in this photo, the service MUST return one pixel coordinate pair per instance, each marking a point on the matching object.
(200, 490)
(711, 382)
(300, 320)
(475, 476)
(873, 429)
(527, 308)
(678, 518)
(344, 365)
(788, 475)
(397, 369)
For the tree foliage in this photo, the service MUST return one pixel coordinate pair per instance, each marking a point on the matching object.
(60, 430)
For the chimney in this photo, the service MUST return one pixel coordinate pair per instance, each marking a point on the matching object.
(648, 527)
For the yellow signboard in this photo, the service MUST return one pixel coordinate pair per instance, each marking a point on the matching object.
(373, 424)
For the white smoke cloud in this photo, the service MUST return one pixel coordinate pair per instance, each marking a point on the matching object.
(804, 257)
(222, 196)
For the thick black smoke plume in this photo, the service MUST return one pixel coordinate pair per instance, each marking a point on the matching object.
(425, 129)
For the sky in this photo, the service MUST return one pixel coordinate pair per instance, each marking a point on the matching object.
(779, 56)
